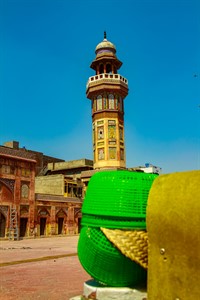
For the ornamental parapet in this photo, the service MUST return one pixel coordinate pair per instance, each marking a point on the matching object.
(107, 78)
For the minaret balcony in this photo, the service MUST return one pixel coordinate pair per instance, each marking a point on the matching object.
(106, 78)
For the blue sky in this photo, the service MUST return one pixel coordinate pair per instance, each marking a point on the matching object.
(46, 48)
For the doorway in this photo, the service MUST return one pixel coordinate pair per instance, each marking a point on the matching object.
(79, 225)
(42, 226)
(23, 226)
(60, 225)
(2, 225)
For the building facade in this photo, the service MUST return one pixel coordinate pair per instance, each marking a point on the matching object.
(17, 192)
(59, 197)
(45, 205)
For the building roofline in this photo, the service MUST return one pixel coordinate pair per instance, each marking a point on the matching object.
(57, 198)
(14, 154)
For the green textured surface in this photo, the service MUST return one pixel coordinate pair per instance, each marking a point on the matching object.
(113, 222)
(118, 193)
(105, 263)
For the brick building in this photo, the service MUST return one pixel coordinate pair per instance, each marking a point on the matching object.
(59, 197)
(17, 192)
(35, 205)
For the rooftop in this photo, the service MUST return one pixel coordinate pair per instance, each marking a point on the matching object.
(16, 153)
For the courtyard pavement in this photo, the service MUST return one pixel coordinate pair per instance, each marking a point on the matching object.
(41, 268)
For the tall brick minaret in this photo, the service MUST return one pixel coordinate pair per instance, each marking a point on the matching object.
(107, 91)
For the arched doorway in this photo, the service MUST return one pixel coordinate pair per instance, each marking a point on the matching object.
(24, 220)
(79, 225)
(2, 225)
(43, 217)
(23, 226)
(61, 219)
(78, 216)
(6, 200)
(60, 225)
(43, 226)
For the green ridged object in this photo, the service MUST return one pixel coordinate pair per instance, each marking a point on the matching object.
(113, 222)
(104, 262)
(114, 196)
(116, 200)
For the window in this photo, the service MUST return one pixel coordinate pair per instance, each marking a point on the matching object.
(116, 97)
(108, 68)
(120, 103)
(99, 102)
(105, 105)
(93, 105)
(111, 101)
(101, 69)
(72, 190)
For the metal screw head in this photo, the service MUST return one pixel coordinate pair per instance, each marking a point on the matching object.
(162, 251)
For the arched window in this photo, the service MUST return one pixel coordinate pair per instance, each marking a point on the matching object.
(111, 101)
(108, 68)
(116, 101)
(101, 69)
(105, 104)
(94, 105)
(99, 102)
(120, 103)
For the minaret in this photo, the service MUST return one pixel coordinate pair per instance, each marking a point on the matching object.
(107, 91)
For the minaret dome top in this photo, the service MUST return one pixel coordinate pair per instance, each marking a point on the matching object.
(105, 46)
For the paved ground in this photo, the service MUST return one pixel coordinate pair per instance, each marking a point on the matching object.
(43, 268)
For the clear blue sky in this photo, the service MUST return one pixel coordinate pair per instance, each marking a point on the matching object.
(46, 48)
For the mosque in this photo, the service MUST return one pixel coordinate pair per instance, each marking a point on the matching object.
(42, 195)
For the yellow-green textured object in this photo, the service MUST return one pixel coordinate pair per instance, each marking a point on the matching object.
(173, 225)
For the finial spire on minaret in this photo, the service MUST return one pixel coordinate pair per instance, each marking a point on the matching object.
(105, 35)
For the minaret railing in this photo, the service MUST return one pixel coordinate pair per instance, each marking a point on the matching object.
(106, 76)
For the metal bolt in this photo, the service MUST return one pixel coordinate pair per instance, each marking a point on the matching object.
(162, 251)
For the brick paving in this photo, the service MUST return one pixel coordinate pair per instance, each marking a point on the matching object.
(46, 276)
